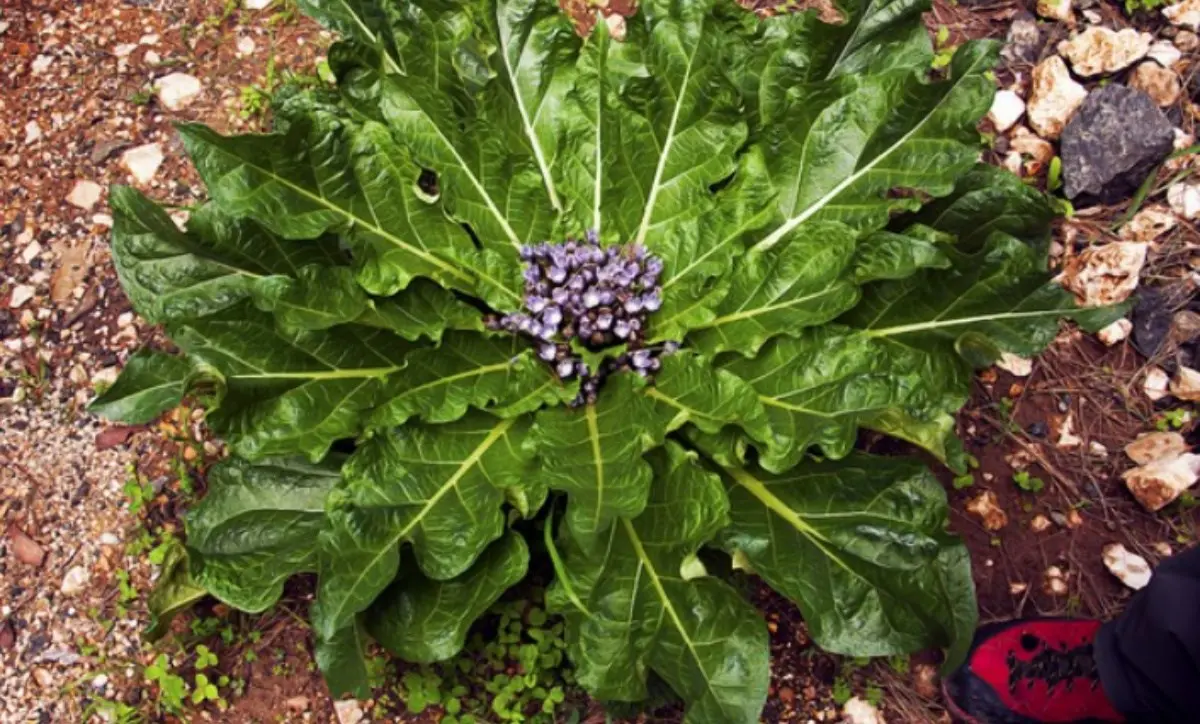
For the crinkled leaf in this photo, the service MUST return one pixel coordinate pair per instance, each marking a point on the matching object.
(642, 612)
(342, 659)
(842, 147)
(806, 281)
(318, 297)
(328, 174)
(689, 390)
(150, 384)
(255, 527)
(424, 620)
(698, 254)
(170, 275)
(593, 453)
(468, 370)
(439, 488)
(895, 255)
(174, 592)
(286, 393)
(423, 310)
(860, 545)
(678, 120)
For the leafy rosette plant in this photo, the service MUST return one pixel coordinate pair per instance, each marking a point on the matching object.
(641, 289)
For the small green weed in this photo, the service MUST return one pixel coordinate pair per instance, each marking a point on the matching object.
(1172, 420)
(962, 482)
(1027, 482)
(172, 689)
(1136, 6)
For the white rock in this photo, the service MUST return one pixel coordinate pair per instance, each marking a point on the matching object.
(152, 58)
(109, 539)
(1164, 53)
(1149, 224)
(1184, 199)
(1015, 365)
(75, 581)
(1186, 385)
(1055, 10)
(245, 45)
(33, 132)
(106, 376)
(31, 252)
(256, 4)
(348, 711)
(1152, 446)
(85, 194)
(20, 294)
(1186, 14)
(1159, 482)
(142, 162)
(105, 220)
(177, 90)
(1036, 152)
(861, 711)
(1115, 332)
(40, 64)
(1053, 98)
(1161, 84)
(1066, 434)
(987, 506)
(1130, 568)
(1183, 140)
(616, 26)
(1097, 449)
(148, 39)
(1104, 275)
(1099, 50)
(124, 49)
(1156, 383)
(1007, 109)
(1055, 582)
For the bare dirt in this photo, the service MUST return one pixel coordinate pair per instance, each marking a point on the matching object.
(82, 74)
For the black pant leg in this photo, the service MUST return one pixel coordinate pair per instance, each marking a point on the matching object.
(1149, 656)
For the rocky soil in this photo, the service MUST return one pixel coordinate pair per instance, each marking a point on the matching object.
(1061, 516)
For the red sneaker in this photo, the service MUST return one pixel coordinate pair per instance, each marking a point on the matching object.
(1031, 671)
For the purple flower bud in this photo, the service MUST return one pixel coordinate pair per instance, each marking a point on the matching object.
(557, 274)
(542, 287)
(541, 250)
(635, 324)
(604, 321)
(575, 298)
(560, 295)
(547, 351)
(621, 328)
(614, 252)
(639, 251)
(569, 246)
(525, 324)
(526, 252)
(633, 305)
(591, 298)
(655, 364)
(576, 284)
(652, 301)
(533, 274)
(640, 358)
(632, 269)
(670, 347)
(535, 303)
(535, 328)
(552, 317)
(606, 297)
(648, 281)
(592, 236)
(654, 266)
(565, 368)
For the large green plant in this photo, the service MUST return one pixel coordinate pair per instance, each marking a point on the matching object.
(834, 260)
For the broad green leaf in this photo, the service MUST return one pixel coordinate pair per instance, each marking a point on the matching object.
(860, 546)
(648, 606)
(792, 49)
(593, 453)
(423, 310)
(896, 255)
(150, 384)
(440, 488)
(842, 147)
(590, 131)
(806, 281)
(689, 390)
(255, 526)
(170, 275)
(286, 393)
(174, 592)
(468, 370)
(319, 297)
(679, 126)
(327, 174)
(423, 620)
(698, 254)
(988, 200)
(536, 52)
(342, 659)
(483, 180)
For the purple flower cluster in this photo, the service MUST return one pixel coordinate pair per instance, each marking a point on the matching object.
(599, 297)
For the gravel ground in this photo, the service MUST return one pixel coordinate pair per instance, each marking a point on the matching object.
(81, 111)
